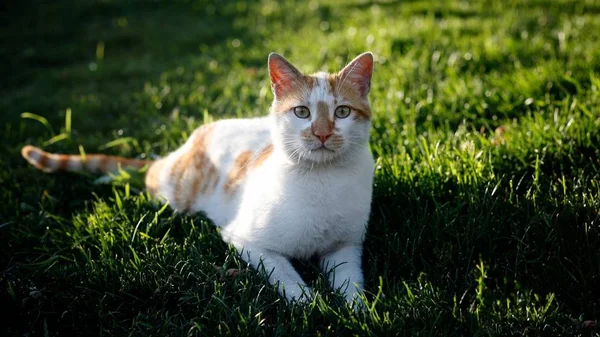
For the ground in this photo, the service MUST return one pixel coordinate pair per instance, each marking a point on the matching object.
(485, 216)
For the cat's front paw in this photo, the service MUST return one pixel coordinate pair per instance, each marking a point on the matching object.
(355, 301)
(300, 294)
(357, 304)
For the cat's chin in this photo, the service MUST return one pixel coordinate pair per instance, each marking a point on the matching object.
(321, 155)
(323, 148)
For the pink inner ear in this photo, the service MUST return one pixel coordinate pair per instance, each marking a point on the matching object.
(282, 74)
(359, 72)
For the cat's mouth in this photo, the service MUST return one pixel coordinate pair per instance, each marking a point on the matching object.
(322, 147)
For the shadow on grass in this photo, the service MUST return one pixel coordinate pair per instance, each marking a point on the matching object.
(526, 234)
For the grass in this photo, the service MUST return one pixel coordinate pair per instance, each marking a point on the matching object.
(486, 210)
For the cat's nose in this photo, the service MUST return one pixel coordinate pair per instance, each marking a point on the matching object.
(322, 129)
(323, 136)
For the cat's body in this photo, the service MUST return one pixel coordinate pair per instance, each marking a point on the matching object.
(294, 184)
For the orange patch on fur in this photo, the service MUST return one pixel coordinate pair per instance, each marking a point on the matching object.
(194, 172)
(103, 164)
(322, 125)
(243, 163)
(294, 94)
(238, 170)
(332, 80)
(41, 163)
(310, 81)
(266, 152)
(197, 180)
(63, 161)
(51, 162)
(133, 163)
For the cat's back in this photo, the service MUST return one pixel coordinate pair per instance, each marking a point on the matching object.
(205, 173)
(230, 136)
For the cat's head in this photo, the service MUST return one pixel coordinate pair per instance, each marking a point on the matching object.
(322, 117)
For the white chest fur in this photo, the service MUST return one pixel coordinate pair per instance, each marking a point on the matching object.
(299, 212)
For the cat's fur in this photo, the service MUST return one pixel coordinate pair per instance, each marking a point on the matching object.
(280, 186)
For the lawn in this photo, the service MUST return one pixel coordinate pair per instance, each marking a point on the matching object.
(486, 208)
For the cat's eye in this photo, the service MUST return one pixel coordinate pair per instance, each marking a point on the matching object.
(301, 112)
(342, 111)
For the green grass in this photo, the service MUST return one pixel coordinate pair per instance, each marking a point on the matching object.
(486, 210)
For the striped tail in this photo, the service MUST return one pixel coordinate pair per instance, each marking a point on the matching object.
(97, 163)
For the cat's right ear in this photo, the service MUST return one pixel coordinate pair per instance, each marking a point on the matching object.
(283, 75)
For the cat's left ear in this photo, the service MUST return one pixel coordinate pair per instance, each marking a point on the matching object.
(359, 72)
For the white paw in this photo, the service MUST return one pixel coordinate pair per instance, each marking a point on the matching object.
(298, 293)
(355, 301)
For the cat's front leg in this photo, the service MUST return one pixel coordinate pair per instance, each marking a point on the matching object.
(279, 271)
(344, 271)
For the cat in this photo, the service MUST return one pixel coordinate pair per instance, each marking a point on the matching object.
(293, 184)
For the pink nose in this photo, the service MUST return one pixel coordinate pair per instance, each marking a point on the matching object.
(323, 136)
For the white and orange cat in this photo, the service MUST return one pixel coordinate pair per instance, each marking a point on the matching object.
(294, 184)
